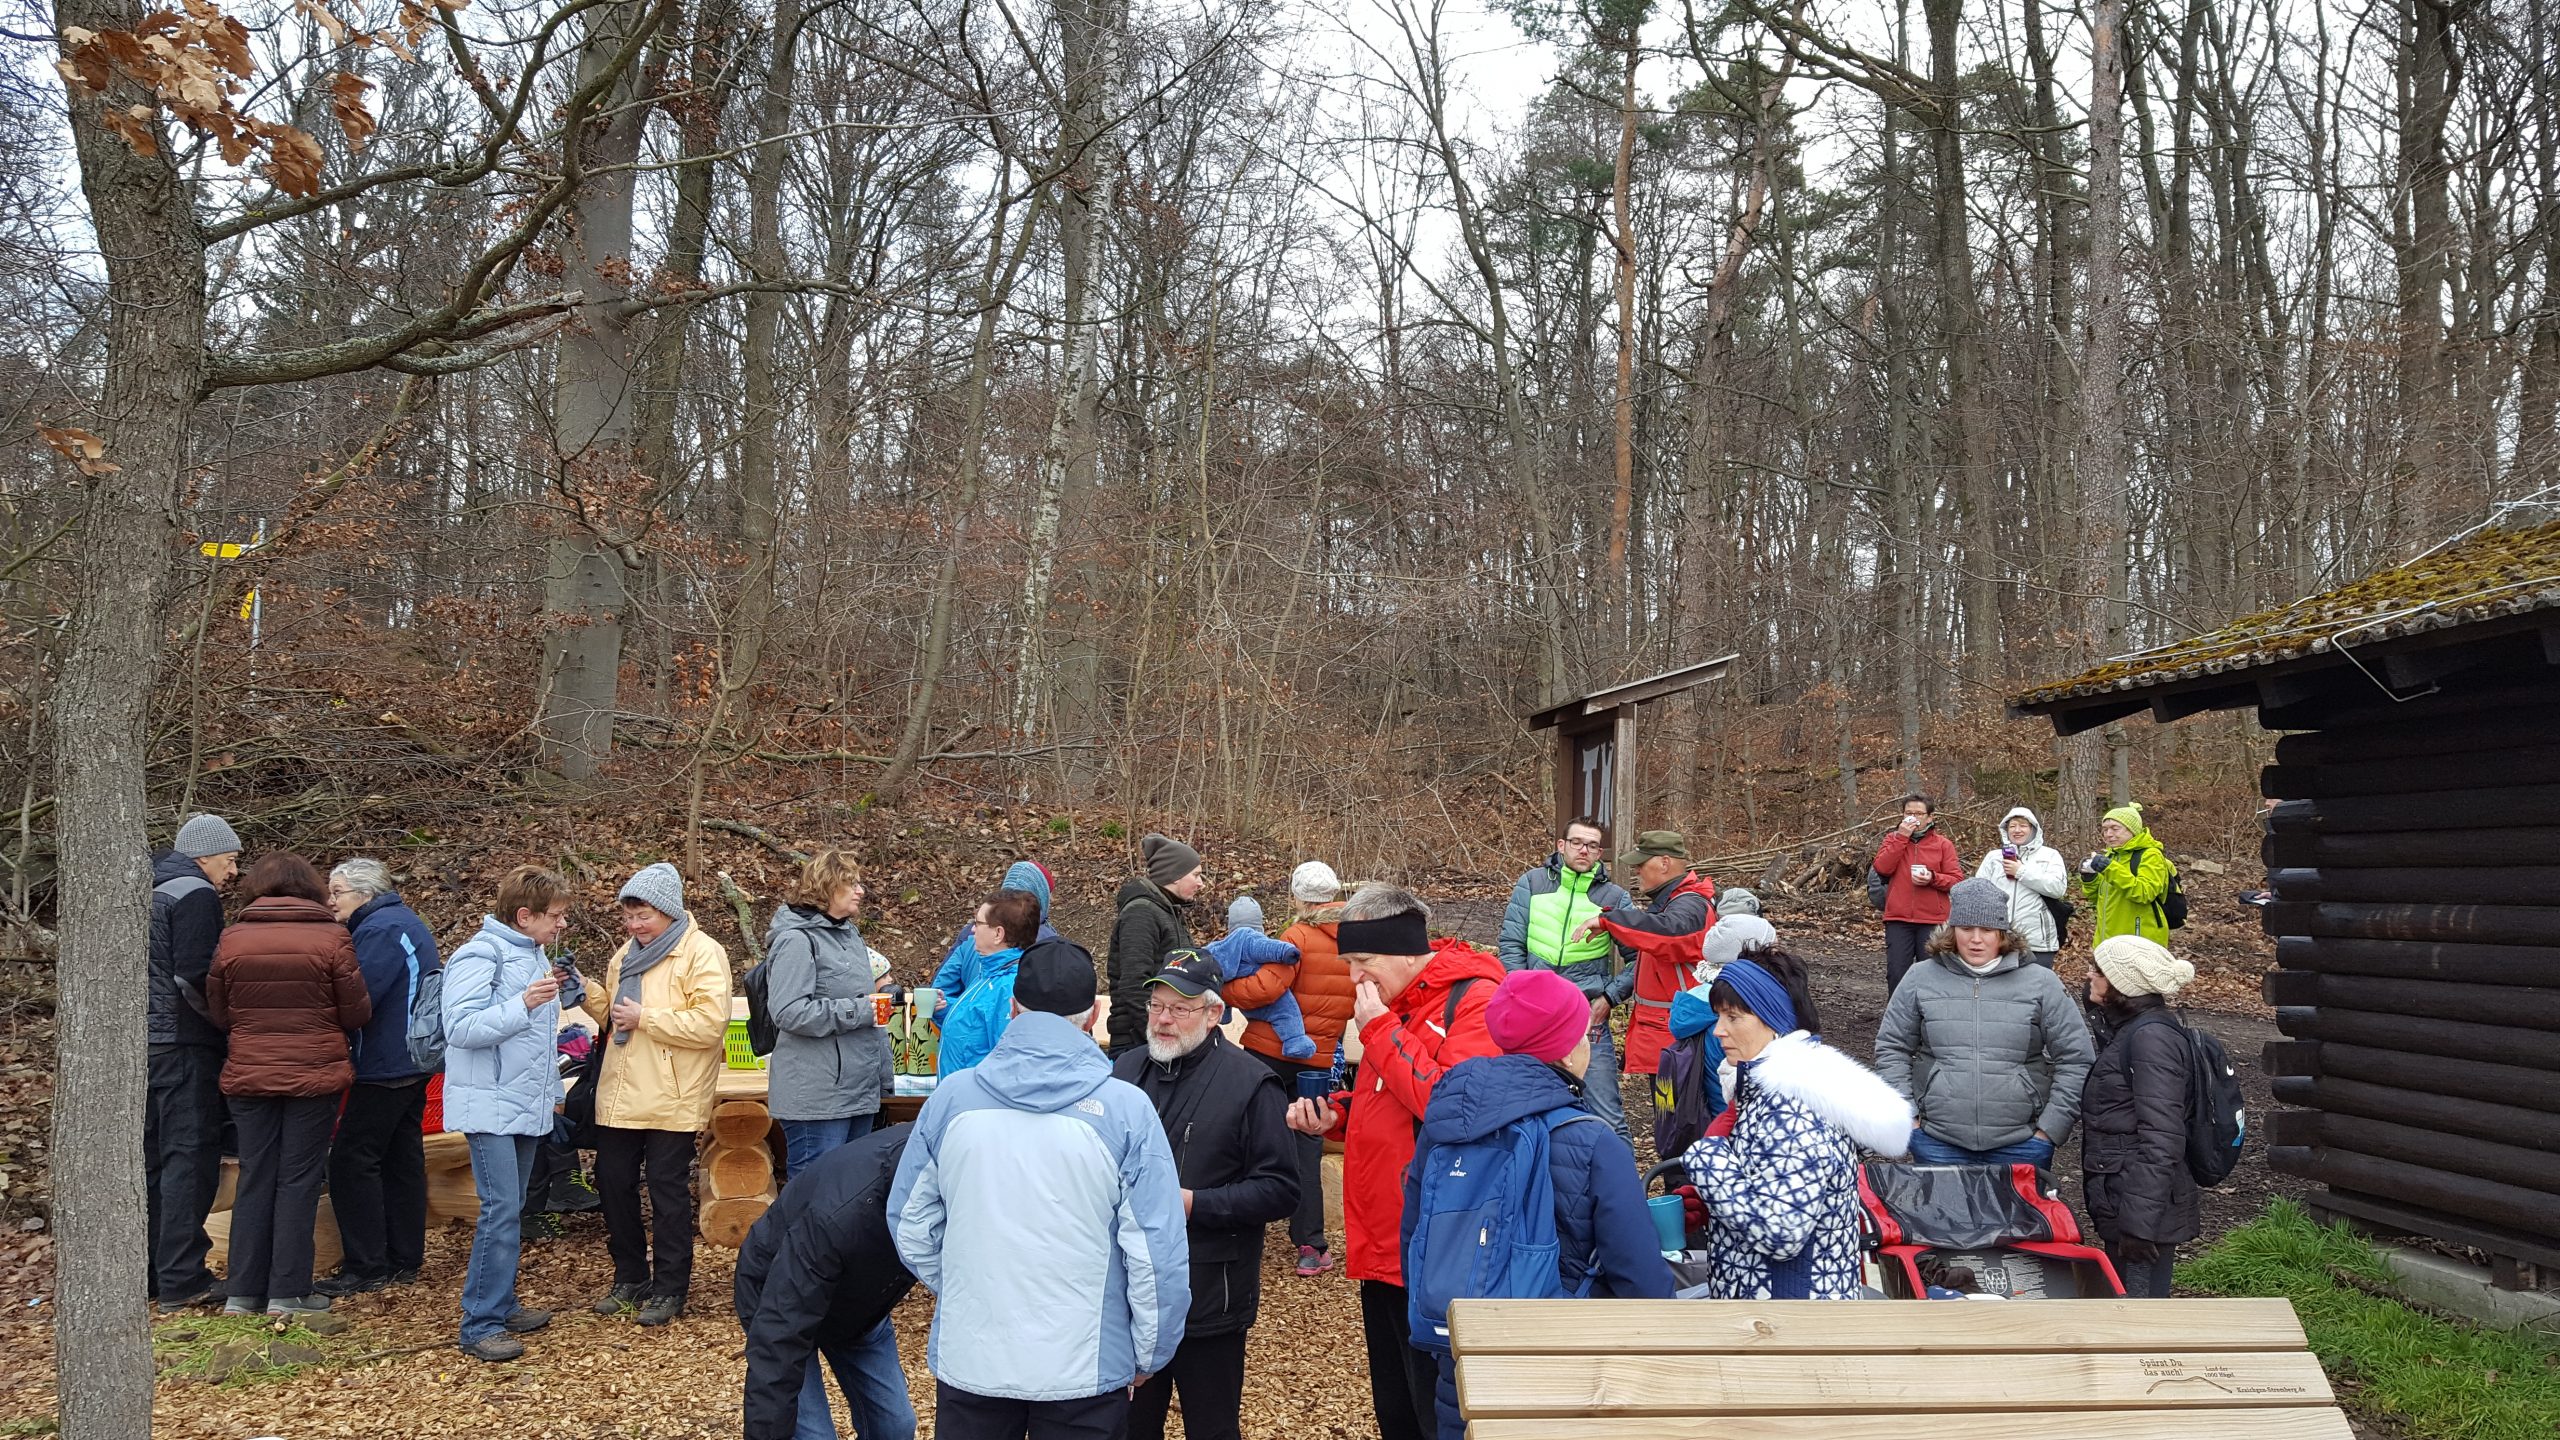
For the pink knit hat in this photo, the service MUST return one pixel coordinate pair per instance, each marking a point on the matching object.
(1538, 1013)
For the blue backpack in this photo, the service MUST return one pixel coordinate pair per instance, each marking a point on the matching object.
(1484, 1225)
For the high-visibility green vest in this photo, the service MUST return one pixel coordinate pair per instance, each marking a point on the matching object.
(1554, 916)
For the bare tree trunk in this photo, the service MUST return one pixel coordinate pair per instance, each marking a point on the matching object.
(1622, 498)
(146, 232)
(1906, 497)
(1066, 679)
(995, 287)
(584, 592)
(760, 438)
(1960, 321)
(2105, 469)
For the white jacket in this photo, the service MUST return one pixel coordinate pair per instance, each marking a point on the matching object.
(2041, 876)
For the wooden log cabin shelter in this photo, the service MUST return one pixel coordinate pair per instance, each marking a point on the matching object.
(1595, 757)
(2414, 854)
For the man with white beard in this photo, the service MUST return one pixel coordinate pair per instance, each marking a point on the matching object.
(1224, 1114)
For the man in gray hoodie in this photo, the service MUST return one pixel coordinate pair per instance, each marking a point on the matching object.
(1987, 1047)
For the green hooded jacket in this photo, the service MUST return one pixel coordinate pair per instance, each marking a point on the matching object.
(2126, 891)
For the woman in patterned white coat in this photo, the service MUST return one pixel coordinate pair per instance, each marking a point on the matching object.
(1781, 1187)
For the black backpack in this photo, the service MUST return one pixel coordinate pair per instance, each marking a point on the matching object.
(2173, 901)
(2217, 1108)
(762, 1033)
(2061, 911)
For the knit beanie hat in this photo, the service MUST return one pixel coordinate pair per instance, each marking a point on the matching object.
(206, 835)
(1978, 902)
(1538, 1013)
(1167, 859)
(2128, 816)
(1731, 935)
(1242, 911)
(2135, 966)
(1738, 901)
(1314, 883)
(1027, 876)
(659, 887)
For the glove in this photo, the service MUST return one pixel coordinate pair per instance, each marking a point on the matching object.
(1693, 1211)
(2136, 1249)
(2096, 862)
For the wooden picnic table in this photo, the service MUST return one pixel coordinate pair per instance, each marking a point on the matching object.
(1869, 1370)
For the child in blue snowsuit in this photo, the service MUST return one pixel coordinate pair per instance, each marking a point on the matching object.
(1245, 949)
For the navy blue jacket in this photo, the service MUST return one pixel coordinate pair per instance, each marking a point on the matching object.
(819, 1270)
(186, 923)
(396, 953)
(1601, 1224)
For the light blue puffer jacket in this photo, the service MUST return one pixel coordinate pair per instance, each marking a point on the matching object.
(501, 1066)
(1038, 1201)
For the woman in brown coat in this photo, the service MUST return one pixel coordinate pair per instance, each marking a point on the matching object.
(285, 984)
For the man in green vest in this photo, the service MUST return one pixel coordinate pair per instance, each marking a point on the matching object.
(1548, 909)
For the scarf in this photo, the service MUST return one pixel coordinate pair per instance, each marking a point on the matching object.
(640, 960)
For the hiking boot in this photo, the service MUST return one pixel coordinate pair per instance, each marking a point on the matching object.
(545, 1225)
(403, 1277)
(292, 1307)
(525, 1322)
(1313, 1262)
(342, 1285)
(495, 1348)
(621, 1300)
(245, 1305)
(176, 1304)
(661, 1309)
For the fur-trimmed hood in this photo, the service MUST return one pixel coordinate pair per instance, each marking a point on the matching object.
(1846, 1095)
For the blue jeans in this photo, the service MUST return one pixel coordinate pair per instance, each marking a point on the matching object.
(806, 1140)
(1929, 1150)
(1600, 1094)
(499, 1164)
(875, 1389)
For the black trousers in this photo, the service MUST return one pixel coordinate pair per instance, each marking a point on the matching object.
(959, 1415)
(2145, 1279)
(1306, 1226)
(182, 1151)
(1904, 943)
(1209, 1369)
(1401, 1379)
(378, 1178)
(284, 1158)
(660, 1255)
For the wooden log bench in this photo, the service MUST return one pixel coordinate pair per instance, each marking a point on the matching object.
(1889, 1370)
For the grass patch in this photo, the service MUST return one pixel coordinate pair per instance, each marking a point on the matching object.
(2431, 1377)
(234, 1350)
(33, 1425)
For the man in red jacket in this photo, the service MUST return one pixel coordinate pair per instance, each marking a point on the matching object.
(1419, 1008)
(1919, 866)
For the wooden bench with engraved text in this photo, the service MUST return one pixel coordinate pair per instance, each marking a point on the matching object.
(1869, 1370)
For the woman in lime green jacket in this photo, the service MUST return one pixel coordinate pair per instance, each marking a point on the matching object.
(2126, 880)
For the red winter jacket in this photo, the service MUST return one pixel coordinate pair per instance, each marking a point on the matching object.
(285, 983)
(1668, 939)
(1919, 904)
(1403, 1053)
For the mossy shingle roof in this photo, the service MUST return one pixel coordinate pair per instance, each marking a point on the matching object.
(2484, 576)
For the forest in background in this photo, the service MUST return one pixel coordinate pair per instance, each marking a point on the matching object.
(424, 422)
(1222, 413)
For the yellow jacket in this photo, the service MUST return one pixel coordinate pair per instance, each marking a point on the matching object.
(662, 1077)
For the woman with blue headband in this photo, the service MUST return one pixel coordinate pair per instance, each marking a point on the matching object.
(1781, 1187)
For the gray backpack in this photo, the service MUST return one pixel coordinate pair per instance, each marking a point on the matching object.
(426, 1022)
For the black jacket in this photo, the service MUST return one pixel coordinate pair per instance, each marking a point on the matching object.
(2133, 1135)
(186, 923)
(1224, 1113)
(818, 1269)
(1149, 927)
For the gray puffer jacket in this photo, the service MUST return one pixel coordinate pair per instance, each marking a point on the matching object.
(830, 1060)
(1988, 1059)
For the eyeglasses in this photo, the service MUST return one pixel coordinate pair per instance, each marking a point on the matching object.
(1176, 1007)
(1571, 844)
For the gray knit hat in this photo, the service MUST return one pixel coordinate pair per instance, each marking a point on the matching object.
(659, 887)
(1167, 859)
(1978, 902)
(1738, 901)
(1242, 911)
(206, 835)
